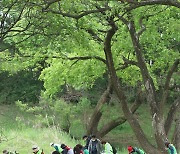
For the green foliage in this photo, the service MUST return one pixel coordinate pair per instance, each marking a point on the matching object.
(80, 75)
(57, 37)
(23, 85)
(56, 113)
(52, 40)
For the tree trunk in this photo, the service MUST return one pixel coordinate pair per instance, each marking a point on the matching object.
(96, 116)
(158, 121)
(167, 82)
(176, 136)
(148, 147)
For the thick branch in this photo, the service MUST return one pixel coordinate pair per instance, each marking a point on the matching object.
(158, 122)
(148, 82)
(69, 58)
(86, 58)
(176, 135)
(172, 112)
(77, 16)
(120, 120)
(135, 5)
(96, 116)
(118, 89)
(143, 27)
(168, 78)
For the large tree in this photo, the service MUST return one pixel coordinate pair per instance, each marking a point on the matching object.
(141, 35)
(112, 17)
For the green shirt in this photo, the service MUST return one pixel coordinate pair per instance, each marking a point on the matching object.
(138, 151)
(58, 148)
(86, 151)
(108, 149)
(172, 149)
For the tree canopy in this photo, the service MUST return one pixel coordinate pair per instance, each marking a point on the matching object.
(78, 42)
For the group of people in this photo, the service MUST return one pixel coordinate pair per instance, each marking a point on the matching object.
(92, 146)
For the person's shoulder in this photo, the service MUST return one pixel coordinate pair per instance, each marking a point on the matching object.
(98, 140)
(70, 151)
(90, 140)
(108, 143)
(171, 145)
(137, 149)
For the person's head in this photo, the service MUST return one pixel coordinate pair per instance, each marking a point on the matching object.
(167, 144)
(55, 152)
(51, 144)
(63, 146)
(76, 150)
(130, 149)
(93, 137)
(103, 142)
(85, 137)
(35, 149)
(5, 152)
(79, 146)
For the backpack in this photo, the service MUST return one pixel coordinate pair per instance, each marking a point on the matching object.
(114, 150)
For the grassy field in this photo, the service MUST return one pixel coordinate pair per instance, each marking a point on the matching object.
(17, 134)
(19, 137)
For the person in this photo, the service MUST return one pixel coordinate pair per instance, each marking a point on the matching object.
(107, 147)
(36, 150)
(171, 148)
(57, 147)
(7, 152)
(55, 152)
(66, 149)
(78, 149)
(135, 150)
(87, 140)
(95, 145)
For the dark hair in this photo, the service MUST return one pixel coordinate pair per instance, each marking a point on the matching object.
(55, 152)
(84, 136)
(77, 149)
(93, 136)
(103, 142)
(79, 146)
(63, 146)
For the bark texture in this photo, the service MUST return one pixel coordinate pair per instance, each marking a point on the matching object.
(148, 147)
(96, 116)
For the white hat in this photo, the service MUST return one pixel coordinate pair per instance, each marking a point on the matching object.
(35, 147)
(51, 144)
